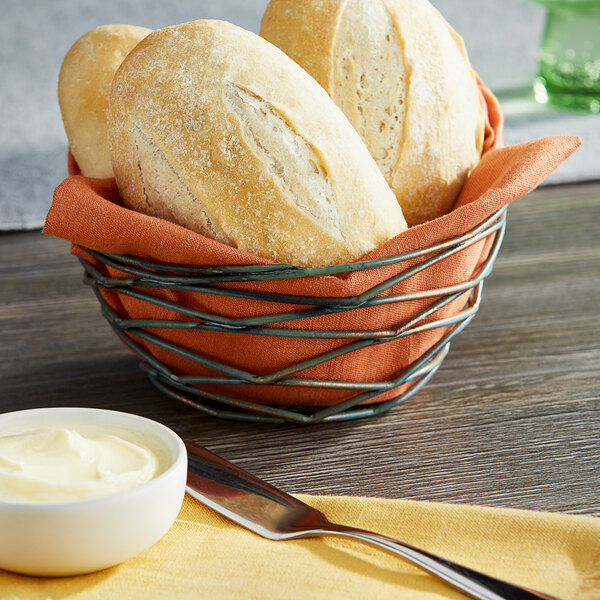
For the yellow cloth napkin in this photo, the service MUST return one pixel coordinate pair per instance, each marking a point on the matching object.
(206, 556)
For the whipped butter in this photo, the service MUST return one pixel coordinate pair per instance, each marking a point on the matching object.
(59, 464)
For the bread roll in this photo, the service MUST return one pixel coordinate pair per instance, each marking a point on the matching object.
(83, 87)
(215, 129)
(403, 78)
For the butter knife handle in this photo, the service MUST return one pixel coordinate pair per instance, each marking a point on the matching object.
(474, 584)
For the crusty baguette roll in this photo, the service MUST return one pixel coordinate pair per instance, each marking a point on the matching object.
(403, 78)
(83, 87)
(215, 129)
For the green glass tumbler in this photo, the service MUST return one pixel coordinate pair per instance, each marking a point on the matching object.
(569, 57)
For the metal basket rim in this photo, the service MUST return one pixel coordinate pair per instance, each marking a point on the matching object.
(285, 271)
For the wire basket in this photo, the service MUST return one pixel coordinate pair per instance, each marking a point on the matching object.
(143, 276)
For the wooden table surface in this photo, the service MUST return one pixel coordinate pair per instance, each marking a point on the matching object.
(512, 418)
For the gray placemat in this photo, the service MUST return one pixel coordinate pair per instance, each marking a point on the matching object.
(502, 38)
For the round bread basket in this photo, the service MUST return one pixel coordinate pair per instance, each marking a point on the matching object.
(442, 312)
(238, 337)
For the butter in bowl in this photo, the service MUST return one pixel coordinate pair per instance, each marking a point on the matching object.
(84, 489)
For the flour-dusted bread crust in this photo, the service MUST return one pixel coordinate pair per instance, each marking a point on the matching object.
(83, 87)
(215, 129)
(402, 77)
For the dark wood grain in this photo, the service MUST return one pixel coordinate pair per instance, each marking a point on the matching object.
(511, 419)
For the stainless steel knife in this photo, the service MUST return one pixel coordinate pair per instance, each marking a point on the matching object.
(273, 514)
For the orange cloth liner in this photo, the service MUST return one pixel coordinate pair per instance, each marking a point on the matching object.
(89, 212)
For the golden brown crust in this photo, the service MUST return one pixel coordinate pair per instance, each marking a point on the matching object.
(84, 83)
(301, 26)
(427, 159)
(214, 128)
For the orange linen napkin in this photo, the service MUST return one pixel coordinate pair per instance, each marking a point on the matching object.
(89, 212)
(206, 556)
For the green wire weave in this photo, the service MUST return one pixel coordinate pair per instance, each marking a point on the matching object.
(144, 276)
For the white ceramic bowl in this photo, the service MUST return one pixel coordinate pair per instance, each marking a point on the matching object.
(81, 536)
